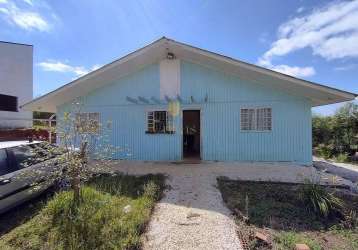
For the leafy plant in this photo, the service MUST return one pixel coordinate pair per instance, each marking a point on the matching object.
(342, 157)
(324, 151)
(336, 134)
(319, 200)
(287, 240)
(351, 219)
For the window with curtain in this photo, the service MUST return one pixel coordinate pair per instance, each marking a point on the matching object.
(159, 122)
(256, 119)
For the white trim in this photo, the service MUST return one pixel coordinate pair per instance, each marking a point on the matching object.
(157, 50)
(193, 108)
(169, 78)
(255, 119)
(174, 129)
(96, 72)
(265, 71)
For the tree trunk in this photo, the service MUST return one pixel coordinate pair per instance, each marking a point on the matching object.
(76, 180)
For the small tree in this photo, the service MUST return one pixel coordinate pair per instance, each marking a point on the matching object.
(82, 138)
(83, 149)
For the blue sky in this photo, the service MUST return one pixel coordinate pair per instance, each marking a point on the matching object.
(313, 40)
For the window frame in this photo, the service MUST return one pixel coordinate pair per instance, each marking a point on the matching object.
(169, 119)
(12, 100)
(255, 119)
(6, 169)
(87, 118)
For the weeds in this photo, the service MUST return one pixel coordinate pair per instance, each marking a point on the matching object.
(287, 240)
(343, 157)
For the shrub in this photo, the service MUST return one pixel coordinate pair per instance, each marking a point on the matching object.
(319, 200)
(287, 240)
(151, 190)
(324, 151)
(343, 157)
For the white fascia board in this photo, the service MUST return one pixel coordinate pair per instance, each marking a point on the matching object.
(53, 99)
(344, 94)
(46, 101)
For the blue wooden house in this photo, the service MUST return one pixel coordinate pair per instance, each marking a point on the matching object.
(171, 101)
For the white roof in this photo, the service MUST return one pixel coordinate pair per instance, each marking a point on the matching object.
(156, 51)
(10, 144)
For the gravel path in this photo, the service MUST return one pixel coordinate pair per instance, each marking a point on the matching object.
(192, 214)
(345, 170)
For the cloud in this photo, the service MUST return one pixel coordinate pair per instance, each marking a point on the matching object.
(346, 67)
(294, 71)
(263, 38)
(96, 66)
(57, 66)
(288, 70)
(300, 9)
(27, 19)
(330, 32)
(29, 2)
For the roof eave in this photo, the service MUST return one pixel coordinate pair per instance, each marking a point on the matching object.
(336, 94)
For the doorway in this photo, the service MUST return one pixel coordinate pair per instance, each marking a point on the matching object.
(191, 134)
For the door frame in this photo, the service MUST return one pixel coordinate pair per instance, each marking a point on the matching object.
(192, 108)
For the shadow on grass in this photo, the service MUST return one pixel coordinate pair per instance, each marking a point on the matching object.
(24, 212)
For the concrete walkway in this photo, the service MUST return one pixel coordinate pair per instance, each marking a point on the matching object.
(192, 214)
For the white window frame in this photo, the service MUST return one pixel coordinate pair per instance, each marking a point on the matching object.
(169, 123)
(253, 126)
(84, 120)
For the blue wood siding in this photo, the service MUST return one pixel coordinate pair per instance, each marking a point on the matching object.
(289, 140)
(222, 139)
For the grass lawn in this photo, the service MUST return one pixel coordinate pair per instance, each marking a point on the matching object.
(276, 210)
(113, 214)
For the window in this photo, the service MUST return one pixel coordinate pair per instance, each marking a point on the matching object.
(159, 122)
(8, 103)
(4, 166)
(87, 122)
(256, 119)
(24, 156)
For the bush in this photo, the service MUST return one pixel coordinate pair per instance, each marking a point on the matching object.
(151, 190)
(288, 240)
(324, 151)
(319, 200)
(343, 157)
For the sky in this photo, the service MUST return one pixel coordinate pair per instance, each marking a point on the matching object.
(313, 40)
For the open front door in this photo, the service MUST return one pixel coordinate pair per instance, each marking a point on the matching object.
(191, 134)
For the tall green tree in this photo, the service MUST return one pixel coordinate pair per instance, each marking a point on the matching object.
(337, 133)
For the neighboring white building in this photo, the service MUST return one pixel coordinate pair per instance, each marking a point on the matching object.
(16, 64)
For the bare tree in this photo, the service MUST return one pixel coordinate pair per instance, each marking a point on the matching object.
(83, 148)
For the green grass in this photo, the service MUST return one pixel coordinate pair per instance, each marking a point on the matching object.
(288, 240)
(99, 222)
(279, 211)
